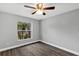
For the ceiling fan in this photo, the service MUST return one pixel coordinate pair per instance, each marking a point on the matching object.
(40, 9)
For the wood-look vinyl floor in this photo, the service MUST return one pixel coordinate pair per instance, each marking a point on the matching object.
(36, 49)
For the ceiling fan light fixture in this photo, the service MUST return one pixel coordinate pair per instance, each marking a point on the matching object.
(39, 12)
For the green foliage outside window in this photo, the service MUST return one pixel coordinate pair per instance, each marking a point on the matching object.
(23, 30)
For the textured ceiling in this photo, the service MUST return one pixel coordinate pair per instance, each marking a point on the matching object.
(19, 9)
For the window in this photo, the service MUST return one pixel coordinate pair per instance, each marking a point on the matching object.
(23, 30)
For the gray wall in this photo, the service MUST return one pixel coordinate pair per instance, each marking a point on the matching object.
(8, 30)
(62, 30)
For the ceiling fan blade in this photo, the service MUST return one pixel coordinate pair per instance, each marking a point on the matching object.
(29, 6)
(49, 8)
(34, 12)
(44, 13)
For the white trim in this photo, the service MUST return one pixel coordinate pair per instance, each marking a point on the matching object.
(4, 49)
(71, 51)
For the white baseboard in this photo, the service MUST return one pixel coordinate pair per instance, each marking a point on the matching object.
(71, 51)
(4, 49)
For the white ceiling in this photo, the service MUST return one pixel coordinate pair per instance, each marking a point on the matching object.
(19, 9)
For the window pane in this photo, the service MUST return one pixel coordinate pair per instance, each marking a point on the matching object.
(22, 28)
